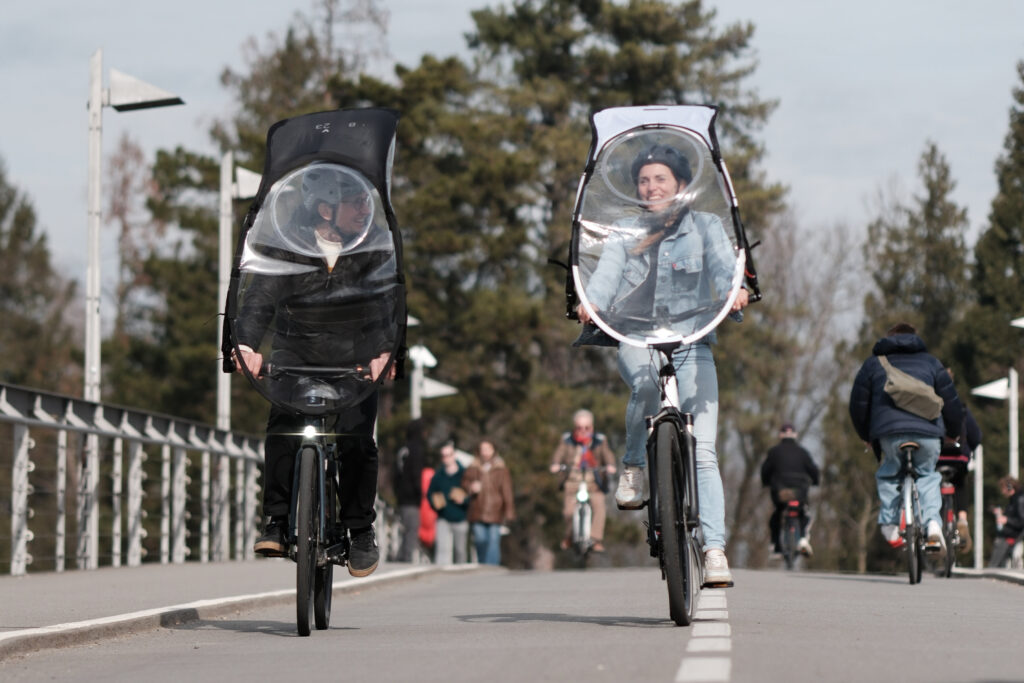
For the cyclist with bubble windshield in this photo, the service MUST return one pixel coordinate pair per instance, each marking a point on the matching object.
(321, 288)
(668, 259)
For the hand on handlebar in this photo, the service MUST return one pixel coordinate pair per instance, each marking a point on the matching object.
(378, 364)
(252, 360)
(742, 299)
(583, 314)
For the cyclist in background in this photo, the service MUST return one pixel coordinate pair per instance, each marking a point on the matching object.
(884, 426)
(957, 454)
(789, 467)
(588, 461)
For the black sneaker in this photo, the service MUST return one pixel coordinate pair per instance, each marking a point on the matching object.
(272, 542)
(363, 554)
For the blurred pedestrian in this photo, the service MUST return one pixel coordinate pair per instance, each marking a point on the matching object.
(451, 502)
(408, 488)
(1009, 522)
(489, 484)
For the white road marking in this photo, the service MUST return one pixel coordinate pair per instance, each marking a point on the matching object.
(710, 629)
(704, 670)
(710, 633)
(710, 614)
(709, 645)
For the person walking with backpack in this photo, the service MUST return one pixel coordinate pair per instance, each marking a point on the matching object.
(888, 408)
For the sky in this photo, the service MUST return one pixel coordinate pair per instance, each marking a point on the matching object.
(861, 88)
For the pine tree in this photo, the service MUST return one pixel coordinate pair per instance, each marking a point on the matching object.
(37, 338)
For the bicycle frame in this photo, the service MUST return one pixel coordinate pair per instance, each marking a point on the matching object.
(670, 411)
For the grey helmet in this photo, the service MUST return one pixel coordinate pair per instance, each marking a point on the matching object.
(321, 183)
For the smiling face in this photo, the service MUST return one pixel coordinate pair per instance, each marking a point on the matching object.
(657, 186)
(350, 216)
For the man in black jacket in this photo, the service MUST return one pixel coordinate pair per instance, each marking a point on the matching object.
(790, 472)
(885, 426)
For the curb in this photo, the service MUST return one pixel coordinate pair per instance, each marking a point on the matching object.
(29, 640)
(1008, 575)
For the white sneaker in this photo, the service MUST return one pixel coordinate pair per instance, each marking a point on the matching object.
(716, 569)
(632, 490)
(936, 542)
(891, 533)
(804, 546)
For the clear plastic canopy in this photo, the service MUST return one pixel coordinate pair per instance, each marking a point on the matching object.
(658, 255)
(319, 290)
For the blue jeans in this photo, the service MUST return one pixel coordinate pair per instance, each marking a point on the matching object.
(487, 539)
(698, 395)
(928, 480)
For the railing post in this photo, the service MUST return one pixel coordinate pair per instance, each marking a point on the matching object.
(251, 511)
(136, 532)
(60, 488)
(165, 504)
(115, 502)
(88, 505)
(240, 509)
(221, 510)
(20, 490)
(204, 508)
(178, 498)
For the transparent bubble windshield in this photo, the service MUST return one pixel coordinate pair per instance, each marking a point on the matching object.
(656, 254)
(319, 295)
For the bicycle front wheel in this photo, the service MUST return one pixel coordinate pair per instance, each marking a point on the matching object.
(948, 516)
(673, 502)
(323, 583)
(307, 533)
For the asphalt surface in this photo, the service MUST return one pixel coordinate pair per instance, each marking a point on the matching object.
(39, 611)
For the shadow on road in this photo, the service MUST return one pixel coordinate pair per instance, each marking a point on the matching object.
(518, 617)
(270, 628)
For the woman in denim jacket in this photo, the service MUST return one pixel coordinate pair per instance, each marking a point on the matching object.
(668, 270)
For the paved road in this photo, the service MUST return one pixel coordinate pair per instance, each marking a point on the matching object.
(609, 625)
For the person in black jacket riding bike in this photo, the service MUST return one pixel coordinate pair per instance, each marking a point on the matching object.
(320, 315)
(789, 468)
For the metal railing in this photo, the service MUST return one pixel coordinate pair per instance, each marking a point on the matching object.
(192, 508)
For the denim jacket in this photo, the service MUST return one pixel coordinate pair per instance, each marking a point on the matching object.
(696, 255)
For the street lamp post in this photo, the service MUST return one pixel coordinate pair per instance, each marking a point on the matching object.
(125, 93)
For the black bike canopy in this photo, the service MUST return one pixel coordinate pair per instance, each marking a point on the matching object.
(317, 286)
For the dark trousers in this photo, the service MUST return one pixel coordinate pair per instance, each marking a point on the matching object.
(357, 456)
(1002, 548)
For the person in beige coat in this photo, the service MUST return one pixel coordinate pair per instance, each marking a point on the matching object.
(584, 456)
(489, 484)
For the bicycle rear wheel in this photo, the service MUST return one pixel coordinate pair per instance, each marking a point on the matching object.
(790, 541)
(308, 513)
(914, 533)
(676, 553)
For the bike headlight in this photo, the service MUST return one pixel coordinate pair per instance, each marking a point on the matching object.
(309, 431)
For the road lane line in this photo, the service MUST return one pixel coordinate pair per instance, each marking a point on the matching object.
(710, 633)
(710, 629)
(704, 670)
(709, 645)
